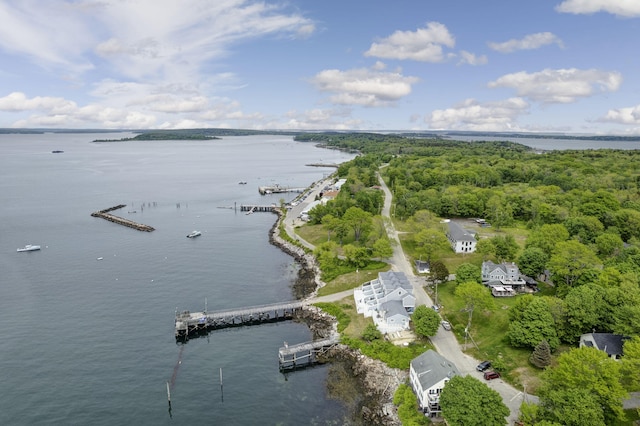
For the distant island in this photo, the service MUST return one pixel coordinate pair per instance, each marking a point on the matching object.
(163, 136)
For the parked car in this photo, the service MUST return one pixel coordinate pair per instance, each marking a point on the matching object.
(446, 325)
(483, 366)
(435, 308)
(490, 375)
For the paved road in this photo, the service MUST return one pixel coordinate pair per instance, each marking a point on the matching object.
(444, 341)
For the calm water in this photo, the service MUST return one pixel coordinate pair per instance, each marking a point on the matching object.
(88, 341)
(556, 144)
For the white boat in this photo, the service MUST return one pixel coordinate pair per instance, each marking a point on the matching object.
(194, 234)
(29, 247)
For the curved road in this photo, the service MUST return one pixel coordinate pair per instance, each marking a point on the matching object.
(444, 341)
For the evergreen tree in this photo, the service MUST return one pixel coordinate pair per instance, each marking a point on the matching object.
(541, 356)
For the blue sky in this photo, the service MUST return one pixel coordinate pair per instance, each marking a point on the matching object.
(500, 65)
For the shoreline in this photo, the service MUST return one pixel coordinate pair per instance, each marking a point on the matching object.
(375, 381)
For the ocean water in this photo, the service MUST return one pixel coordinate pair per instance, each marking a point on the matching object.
(89, 341)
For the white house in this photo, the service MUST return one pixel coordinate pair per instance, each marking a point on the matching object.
(389, 300)
(339, 183)
(461, 240)
(304, 215)
(428, 374)
(503, 279)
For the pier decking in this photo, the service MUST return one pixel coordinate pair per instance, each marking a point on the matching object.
(255, 208)
(277, 189)
(301, 355)
(195, 323)
(120, 220)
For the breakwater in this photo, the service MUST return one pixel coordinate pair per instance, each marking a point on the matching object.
(105, 214)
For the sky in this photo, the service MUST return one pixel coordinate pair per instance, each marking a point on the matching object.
(570, 66)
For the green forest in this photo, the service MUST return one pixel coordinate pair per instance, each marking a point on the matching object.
(570, 219)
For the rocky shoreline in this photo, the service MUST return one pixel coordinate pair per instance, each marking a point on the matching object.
(364, 384)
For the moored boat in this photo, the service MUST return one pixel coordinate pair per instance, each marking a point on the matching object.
(194, 234)
(29, 247)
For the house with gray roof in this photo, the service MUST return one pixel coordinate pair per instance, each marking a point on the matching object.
(608, 342)
(504, 279)
(461, 240)
(428, 374)
(389, 300)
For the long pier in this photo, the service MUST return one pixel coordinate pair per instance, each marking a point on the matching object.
(105, 214)
(276, 189)
(301, 355)
(255, 208)
(196, 323)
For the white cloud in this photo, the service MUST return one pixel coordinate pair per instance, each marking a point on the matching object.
(629, 115)
(149, 37)
(318, 119)
(143, 41)
(528, 42)
(624, 8)
(424, 44)
(18, 101)
(52, 112)
(363, 86)
(471, 115)
(471, 59)
(51, 34)
(561, 85)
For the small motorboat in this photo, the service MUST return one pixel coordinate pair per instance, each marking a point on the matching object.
(29, 247)
(194, 234)
(242, 182)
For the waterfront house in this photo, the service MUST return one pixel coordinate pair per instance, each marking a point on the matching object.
(388, 300)
(428, 374)
(461, 240)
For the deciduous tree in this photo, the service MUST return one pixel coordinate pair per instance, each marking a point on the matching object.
(630, 364)
(429, 241)
(535, 325)
(438, 271)
(467, 401)
(475, 296)
(468, 272)
(572, 263)
(358, 220)
(582, 374)
(532, 261)
(425, 321)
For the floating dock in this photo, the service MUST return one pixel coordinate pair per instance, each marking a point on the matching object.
(105, 214)
(199, 323)
(292, 357)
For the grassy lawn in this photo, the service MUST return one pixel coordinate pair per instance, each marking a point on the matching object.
(447, 256)
(351, 280)
(488, 330)
(358, 322)
(314, 234)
